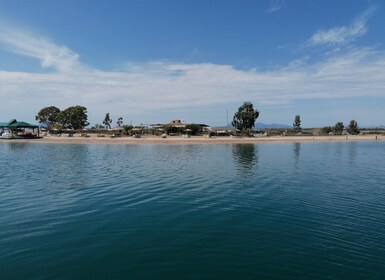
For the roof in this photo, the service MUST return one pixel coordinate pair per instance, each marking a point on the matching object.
(15, 124)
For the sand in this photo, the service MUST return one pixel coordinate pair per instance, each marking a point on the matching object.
(93, 139)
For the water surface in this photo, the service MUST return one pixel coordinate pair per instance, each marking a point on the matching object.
(263, 211)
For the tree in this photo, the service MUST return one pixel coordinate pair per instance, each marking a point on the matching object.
(98, 126)
(127, 128)
(171, 129)
(195, 128)
(338, 128)
(107, 121)
(48, 115)
(119, 123)
(297, 123)
(327, 129)
(74, 117)
(245, 118)
(353, 128)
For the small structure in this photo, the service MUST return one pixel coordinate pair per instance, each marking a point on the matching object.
(116, 132)
(177, 123)
(177, 127)
(137, 132)
(224, 131)
(19, 130)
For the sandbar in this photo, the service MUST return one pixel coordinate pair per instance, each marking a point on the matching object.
(176, 140)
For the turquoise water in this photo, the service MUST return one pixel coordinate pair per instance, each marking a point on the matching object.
(264, 211)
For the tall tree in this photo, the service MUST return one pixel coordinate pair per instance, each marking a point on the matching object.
(338, 128)
(297, 123)
(74, 117)
(244, 118)
(353, 128)
(107, 121)
(48, 115)
(119, 123)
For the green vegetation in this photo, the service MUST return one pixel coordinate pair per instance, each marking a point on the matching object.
(193, 129)
(169, 129)
(127, 129)
(353, 128)
(107, 121)
(74, 117)
(338, 128)
(297, 123)
(244, 119)
(326, 130)
(119, 123)
(48, 116)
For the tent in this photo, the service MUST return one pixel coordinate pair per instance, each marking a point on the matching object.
(14, 126)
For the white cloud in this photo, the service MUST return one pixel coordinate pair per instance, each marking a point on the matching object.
(343, 34)
(157, 91)
(168, 86)
(23, 42)
(275, 5)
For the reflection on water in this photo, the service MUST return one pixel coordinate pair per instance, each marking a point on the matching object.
(245, 156)
(70, 164)
(352, 151)
(17, 146)
(192, 211)
(297, 150)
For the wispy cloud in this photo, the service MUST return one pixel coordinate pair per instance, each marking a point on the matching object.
(342, 35)
(166, 86)
(163, 88)
(275, 5)
(23, 42)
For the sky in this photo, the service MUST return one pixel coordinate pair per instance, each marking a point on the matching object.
(151, 61)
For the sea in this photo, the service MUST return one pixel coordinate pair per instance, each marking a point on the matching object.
(203, 211)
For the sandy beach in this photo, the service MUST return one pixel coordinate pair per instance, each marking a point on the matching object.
(175, 140)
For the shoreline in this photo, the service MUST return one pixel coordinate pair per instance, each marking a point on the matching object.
(175, 140)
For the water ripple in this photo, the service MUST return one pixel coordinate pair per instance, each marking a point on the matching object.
(267, 211)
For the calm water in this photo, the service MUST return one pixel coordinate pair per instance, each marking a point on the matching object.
(265, 211)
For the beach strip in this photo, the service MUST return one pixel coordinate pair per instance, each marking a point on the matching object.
(175, 140)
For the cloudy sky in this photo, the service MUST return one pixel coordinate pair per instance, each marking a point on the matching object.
(151, 61)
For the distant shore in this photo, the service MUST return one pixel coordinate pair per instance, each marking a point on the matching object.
(174, 140)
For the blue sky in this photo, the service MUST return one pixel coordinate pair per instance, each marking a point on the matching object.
(151, 61)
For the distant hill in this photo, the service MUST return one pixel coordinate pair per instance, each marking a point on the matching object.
(260, 125)
(272, 125)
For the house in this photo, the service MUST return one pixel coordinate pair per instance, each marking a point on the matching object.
(177, 124)
(177, 127)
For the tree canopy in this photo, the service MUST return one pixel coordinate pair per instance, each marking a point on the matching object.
(107, 121)
(338, 128)
(193, 128)
(74, 117)
(297, 123)
(244, 119)
(119, 122)
(48, 115)
(127, 128)
(353, 128)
